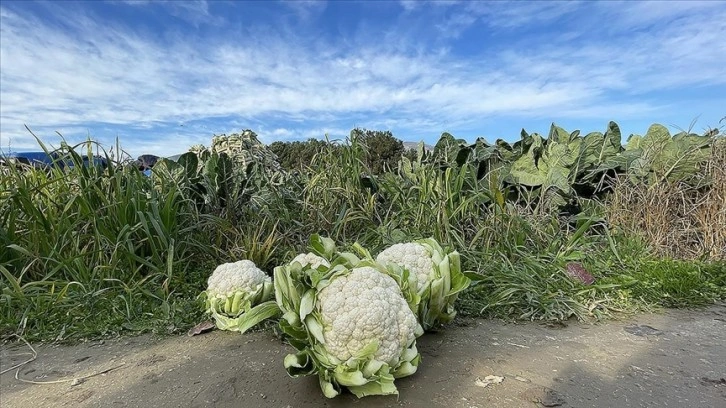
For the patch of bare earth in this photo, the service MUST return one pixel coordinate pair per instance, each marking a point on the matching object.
(676, 359)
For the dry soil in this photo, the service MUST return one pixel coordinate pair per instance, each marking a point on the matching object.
(671, 359)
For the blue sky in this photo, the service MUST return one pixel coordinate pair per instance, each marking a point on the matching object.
(163, 75)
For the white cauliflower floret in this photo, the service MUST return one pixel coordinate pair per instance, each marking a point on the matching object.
(310, 259)
(362, 306)
(412, 256)
(237, 276)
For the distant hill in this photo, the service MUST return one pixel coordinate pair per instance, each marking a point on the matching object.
(414, 146)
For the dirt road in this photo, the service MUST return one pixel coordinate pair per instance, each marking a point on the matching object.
(674, 359)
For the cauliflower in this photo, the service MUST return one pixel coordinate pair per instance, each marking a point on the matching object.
(362, 306)
(349, 322)
(412, 256)
(229, 278)
(310, 259)
(236, 296)
(436, 276)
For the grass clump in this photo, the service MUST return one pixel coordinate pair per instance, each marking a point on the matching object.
(675, 283)
(678, 219)
(85, 248)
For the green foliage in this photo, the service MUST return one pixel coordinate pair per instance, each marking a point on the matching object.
(127, 250)
(65, 222)
(298, 155)
(213, 181)
(534, 288)
(674, 283)
(657, 156)
(75, 237)
(341, 202)
(383, 151)
(551, 172)
(52, 310)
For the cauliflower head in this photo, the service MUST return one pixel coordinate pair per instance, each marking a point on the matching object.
(363, 306)
(311, 259)
(237, 294)
(349, 321)
(412, 256)
(434, 272)
(229, 278)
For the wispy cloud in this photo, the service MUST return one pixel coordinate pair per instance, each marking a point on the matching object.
(141, 85)
(409, 5)
(195, 12)
(456, 17)
(306, 9)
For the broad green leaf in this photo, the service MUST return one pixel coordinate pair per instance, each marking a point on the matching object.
(633, 142)
(315, 328)
(307, 304)
(613, 138)
(375, 388)
(351, 378)
(405, 369)
(299, 364)
(409, 354)
(558, 135)
(372, 367)
(256, 315)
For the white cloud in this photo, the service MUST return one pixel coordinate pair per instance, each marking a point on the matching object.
(409, 5)
(457, 17)
(132, 83)
(298, 134)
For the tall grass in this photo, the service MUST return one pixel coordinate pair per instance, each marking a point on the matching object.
(336, 200)
(677, 219)
(80, 235)
(90, 250)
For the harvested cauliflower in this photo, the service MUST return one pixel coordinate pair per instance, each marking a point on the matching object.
(438, 278)
(349, 321)
(412, 256)
(240, 276)
(237, 294)
(363, 306)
